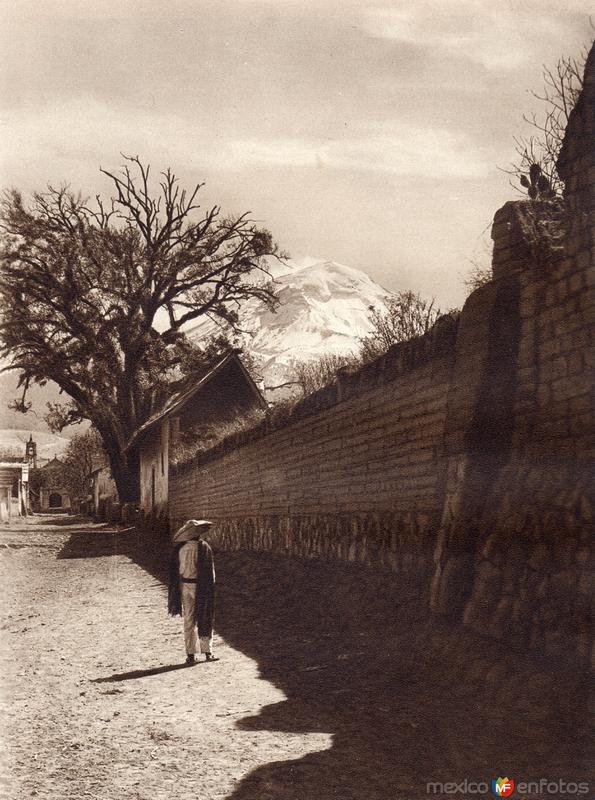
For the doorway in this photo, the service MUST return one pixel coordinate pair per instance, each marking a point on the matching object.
(55, 500)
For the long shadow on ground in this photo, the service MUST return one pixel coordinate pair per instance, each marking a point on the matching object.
(407, 700)
(134, 674)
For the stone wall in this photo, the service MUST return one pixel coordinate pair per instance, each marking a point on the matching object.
(463, 461)
(513, 557)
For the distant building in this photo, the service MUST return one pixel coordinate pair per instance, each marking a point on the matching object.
(52, 494)
(227, 389)
(14, 476)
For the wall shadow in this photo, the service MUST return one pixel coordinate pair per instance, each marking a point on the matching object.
(406, 699)
(357, 659)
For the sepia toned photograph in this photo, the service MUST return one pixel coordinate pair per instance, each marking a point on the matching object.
(297, 399)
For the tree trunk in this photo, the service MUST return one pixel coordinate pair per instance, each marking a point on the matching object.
(126, 472)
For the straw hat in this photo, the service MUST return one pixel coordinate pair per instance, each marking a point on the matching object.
(191, 529)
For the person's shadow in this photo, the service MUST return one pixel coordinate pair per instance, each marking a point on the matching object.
(140, 673)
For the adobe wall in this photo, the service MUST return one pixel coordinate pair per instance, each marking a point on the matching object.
(356, 473)
(514, 555)
(464, 461)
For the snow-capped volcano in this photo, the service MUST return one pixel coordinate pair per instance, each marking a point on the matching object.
(324, 308)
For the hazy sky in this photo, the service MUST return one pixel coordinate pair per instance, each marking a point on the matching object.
(365, 133)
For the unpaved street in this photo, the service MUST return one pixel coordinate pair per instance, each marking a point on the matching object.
(329, 687)
(73, 626)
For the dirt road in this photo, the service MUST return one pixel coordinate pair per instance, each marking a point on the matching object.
(324, 690)
(76, 725)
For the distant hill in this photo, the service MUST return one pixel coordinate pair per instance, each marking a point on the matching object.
(48, 444)
(39, 396)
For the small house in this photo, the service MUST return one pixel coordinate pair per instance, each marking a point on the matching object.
(224, 392)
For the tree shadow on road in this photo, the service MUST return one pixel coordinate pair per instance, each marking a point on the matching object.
(407, 700)
(99, 541)
(59, 520)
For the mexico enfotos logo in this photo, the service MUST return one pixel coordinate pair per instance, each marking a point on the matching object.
(505, 787)
(502, 787)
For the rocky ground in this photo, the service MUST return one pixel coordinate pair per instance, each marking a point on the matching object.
(326, 688)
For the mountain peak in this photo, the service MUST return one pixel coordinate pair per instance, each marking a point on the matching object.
(324, 308)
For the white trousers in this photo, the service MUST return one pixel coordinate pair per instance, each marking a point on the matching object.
(191, 637)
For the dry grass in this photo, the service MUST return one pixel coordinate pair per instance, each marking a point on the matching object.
(202, 438)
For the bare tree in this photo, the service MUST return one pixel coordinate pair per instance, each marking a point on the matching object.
(537, 154)
(95, 297)
(479, 275)
(407, 315)
(38, 480)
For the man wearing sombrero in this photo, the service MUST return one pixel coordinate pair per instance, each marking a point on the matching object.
(192, 587)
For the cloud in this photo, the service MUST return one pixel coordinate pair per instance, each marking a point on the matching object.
(412, 152)
(481, 31)
(84, 129)
(89, 10)
(87, 130)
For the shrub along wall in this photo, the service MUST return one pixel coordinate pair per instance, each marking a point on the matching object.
(462, 461)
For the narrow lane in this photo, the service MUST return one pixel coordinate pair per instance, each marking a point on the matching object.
(81, 719)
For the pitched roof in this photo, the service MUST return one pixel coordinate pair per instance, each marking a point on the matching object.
(55, 462)
(193, 387)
